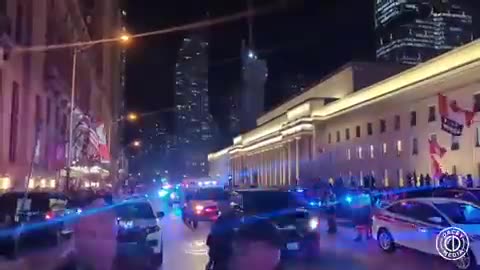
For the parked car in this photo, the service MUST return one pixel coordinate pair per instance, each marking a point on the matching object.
(415, 223)
(38, 221)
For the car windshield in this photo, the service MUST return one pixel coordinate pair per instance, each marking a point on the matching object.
(460, 213)
(137, 210)
(265, 201)
(215, 194)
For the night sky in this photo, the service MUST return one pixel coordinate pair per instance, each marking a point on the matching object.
(311, 37)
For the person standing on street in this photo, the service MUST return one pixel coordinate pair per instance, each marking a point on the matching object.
(331, 207)
(361, 207)
(220, 240)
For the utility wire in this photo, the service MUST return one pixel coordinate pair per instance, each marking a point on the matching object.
(185, 27)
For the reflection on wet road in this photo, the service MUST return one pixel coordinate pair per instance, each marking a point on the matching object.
(186, 250)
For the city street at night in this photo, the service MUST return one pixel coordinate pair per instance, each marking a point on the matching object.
(186, 249)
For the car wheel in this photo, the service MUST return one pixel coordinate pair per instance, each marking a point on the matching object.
(385, 240)
(467, 262)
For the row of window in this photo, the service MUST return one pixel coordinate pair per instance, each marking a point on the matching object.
(60, 120)
(383, 125)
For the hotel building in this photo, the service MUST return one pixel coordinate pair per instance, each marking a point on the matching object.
(346, 127)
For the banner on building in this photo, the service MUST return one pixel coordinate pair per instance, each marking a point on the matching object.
(453, 117)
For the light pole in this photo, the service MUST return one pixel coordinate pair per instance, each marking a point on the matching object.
(76, 50)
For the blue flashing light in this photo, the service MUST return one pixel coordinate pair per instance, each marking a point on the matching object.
(162, 193)
(300, 190)
(313, 204)
(349, 199)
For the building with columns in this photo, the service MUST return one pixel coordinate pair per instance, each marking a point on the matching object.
(35, 85)
(356, 123)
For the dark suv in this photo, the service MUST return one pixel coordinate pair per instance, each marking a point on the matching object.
(37, 219)
(297, 226)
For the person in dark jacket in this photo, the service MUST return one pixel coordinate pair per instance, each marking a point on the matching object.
(331, 202)
(220, 240)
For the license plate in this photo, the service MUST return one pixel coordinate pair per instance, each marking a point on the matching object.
(293, 246)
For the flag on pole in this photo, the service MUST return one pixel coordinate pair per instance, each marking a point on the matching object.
(436, 148)
(103, 150)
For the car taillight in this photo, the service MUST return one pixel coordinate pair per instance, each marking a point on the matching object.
(49, 215)
(211, 209)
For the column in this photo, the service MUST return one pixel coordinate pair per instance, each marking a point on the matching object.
(270, 168)
(282, 165)
(284, 168)
(289, 162)
(275, 167)
(297, 159)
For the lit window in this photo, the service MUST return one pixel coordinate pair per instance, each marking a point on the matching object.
(399, 147)
(384, 148)
(349, 154)
(400, 177)
(372, 150)
(385, 178)
(360, 152)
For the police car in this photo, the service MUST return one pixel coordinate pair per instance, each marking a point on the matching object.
(140, 231)
(415, 223)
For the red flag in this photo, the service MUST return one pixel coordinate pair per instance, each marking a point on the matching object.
(436, 148)
(436, 167)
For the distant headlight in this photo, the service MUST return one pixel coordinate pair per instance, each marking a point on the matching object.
(199, 207)
(162, 193)
(313, 223)
(173, 196)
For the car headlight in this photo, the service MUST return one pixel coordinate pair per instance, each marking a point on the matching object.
(313, 223)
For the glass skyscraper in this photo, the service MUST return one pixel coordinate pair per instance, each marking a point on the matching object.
(194, 125)
(413, 31)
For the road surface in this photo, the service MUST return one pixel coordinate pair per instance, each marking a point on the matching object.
(186, 250)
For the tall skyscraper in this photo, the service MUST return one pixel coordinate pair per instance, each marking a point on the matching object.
(254, 75)
(194, 125)
(413, 31)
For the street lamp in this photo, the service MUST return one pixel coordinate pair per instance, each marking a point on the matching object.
(123, 38)
(137, 143)
(132, 117)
